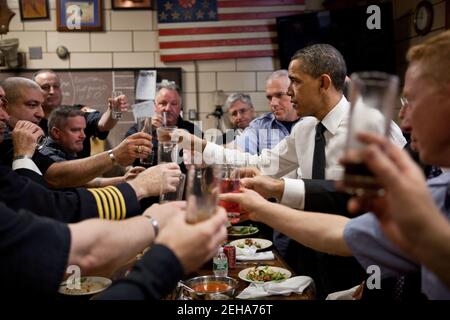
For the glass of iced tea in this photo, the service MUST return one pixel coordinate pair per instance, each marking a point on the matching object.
(230, 183)
(373, 97)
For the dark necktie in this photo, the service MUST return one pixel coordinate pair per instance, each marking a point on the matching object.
(318, 167)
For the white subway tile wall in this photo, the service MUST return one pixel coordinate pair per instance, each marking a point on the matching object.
(130, 40)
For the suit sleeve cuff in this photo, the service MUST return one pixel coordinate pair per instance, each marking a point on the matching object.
(294, 193)
(111, 203)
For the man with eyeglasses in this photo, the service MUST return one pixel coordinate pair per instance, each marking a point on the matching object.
(240, 110)
(267, 130)
(411, 147)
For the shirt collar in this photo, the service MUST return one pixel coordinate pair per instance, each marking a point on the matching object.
(334, 118)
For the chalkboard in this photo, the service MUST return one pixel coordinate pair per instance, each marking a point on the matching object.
(93, 87)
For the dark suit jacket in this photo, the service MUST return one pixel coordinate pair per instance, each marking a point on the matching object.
(72, 205)
(331, 273)
(152, 278)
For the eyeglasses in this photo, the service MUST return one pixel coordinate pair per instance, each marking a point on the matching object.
(404, 101)
(4, 101)
(277, 95)
(240, 111)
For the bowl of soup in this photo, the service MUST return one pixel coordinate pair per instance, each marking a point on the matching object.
(210, 288)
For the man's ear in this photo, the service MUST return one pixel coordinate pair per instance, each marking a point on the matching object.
(325, 81)
(55, 133)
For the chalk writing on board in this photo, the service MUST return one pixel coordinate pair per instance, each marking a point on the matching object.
(90, 90)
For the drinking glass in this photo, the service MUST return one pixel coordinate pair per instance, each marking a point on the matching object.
(172, 196)
(145, 125)
(373, 96)
(40, 142)
(230, 183)
(167, 149)
(164, 118)
(202, 190)
(116, 111)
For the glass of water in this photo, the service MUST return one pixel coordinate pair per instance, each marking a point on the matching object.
(145, 125)
(172, 196)
(372, 99)
(167, 149)
(115, 107)
(202, 190)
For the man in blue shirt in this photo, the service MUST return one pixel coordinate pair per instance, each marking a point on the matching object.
(267, 130)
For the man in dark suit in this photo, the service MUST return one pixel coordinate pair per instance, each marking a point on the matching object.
(24, 187)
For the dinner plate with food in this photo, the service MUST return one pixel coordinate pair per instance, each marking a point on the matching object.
(88, 286)
(242, 231)
(259, 244)
(263, 274)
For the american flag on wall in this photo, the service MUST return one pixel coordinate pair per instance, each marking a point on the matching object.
(222, 29)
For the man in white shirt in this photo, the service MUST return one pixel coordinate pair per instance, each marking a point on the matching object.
(317, 75)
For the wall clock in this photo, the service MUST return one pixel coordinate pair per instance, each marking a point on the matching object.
(423, 17)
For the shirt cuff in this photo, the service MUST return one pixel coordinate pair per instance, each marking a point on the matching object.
(212, 153)
(26, 163)
(215, 154)
(294, 193)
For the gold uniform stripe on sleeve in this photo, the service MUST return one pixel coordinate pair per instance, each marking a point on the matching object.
(121, 200)
(117, 206)
(111, 206)
(105, 203)
(98, 201)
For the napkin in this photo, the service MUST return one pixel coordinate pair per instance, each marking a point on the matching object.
(343, 295)
(286, 287)
(249, 253)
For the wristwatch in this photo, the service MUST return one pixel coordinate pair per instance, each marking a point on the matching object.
(112, 156)
(154, 224)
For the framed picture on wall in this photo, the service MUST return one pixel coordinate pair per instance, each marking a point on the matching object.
(131, 4)
(33, 9)
(79, 15)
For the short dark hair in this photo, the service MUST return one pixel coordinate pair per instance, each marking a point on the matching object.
(58, 117)
(34, 76)
(321, 59)
(13, 87)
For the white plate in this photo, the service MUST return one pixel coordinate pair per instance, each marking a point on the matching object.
(89, 286)
(243, 273)
(236, 228)
(263, 243)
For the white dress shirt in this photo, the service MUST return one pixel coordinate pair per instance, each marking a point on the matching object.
(295, 152)
(26, 163)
